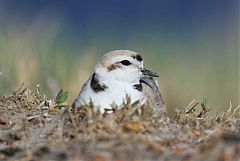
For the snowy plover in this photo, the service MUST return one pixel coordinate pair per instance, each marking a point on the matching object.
(118, 74)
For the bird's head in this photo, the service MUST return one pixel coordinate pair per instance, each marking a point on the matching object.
(122, 65)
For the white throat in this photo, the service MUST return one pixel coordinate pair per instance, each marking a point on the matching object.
(118, 75)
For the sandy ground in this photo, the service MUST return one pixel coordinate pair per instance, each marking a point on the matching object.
(34, 128)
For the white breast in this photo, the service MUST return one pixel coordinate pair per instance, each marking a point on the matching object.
(115, 93)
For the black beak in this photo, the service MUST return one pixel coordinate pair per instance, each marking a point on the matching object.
(147, 72)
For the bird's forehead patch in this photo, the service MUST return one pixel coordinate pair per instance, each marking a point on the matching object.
(137, 57)
(113, 67)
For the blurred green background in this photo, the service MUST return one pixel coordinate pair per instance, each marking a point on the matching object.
(193, 44)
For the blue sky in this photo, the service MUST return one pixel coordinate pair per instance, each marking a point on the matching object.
(127, 16)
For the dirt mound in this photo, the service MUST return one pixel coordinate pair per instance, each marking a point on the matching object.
(35, 128)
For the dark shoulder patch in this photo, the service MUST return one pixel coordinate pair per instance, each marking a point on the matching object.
(138, 87)
(138, 57)
(95, 85)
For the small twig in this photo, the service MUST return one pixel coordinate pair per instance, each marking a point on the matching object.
(41, 104)
(235, 110)
(59, 106)
(189, 105)
(204, 111)
(18, 89)
(190, 110)
(106, 110)
(32, 117)
(229, 110)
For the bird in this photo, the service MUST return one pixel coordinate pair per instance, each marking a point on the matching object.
(119, 74)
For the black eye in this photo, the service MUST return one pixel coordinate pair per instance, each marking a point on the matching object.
(126, 62)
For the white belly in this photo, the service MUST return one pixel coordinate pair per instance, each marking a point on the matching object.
(116, 93)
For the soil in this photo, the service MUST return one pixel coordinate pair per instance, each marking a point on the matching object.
(33, 128)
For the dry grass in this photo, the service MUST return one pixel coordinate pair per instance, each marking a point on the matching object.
(35, 128)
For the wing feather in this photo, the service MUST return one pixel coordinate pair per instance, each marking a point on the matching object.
(152, 91)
